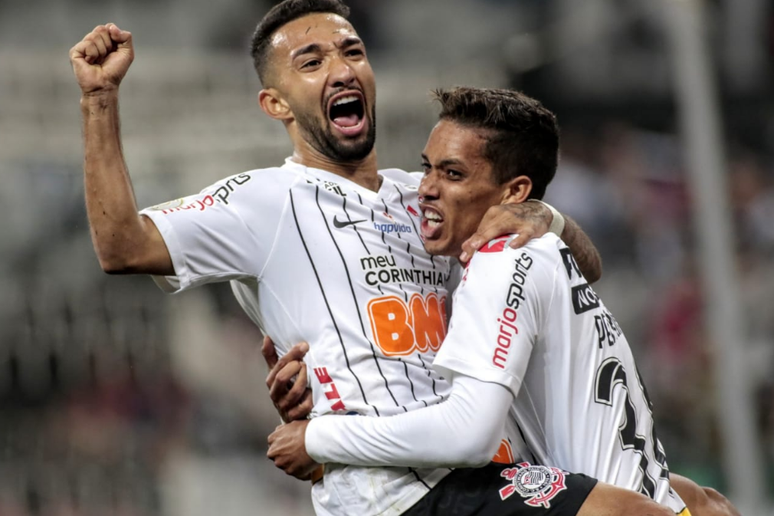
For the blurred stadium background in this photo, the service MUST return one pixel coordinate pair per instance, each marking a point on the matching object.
(115, 399)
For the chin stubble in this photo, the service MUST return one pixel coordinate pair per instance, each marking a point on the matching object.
(321, 137)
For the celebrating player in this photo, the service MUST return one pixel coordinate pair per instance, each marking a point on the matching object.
(529, 338)
(326, 243)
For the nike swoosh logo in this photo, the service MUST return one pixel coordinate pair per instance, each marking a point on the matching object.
(342, 224)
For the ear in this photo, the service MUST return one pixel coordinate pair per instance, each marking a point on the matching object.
(274, 105)
(516, 190)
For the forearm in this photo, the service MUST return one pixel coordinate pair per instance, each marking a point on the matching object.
(117, 231)
(583, 250)
(701, 501)
(463, 431)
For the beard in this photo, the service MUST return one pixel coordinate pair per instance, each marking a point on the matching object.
(321, 137)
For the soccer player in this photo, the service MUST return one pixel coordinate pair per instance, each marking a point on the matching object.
(324, 248)
(529, 340)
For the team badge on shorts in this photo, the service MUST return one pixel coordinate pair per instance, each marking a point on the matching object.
(538, 485)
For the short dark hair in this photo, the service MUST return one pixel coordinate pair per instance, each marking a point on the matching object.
(522, 136)
(280, 15)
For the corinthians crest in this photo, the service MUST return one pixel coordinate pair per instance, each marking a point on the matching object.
(538, 485)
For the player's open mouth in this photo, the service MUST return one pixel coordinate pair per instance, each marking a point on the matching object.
(432, 221)
(346, 111)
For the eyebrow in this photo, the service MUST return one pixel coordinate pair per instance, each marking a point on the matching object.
(444, 163)
(315, 48)
(312, 48)
(350, 41)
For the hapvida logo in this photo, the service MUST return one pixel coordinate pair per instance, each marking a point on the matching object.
(392, 228)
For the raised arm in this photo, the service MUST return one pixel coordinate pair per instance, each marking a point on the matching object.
(533, 220)
(125, 242)
(463, 431)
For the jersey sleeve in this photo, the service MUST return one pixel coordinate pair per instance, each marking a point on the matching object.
(463, 431)
(498, 312)
(221, 234)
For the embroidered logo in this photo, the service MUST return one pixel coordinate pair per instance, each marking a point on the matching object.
(538, 485)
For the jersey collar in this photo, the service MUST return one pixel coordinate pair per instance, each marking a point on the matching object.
(384, 189)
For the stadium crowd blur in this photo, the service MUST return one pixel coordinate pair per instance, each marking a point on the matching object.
(116, 399)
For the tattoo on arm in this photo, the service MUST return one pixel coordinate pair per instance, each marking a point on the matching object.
(583, 250)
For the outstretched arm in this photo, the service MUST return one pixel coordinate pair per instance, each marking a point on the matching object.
(463, 431)
(533, 220)
(124, 241)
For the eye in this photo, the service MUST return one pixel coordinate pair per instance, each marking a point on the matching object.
(426, 167)
(355, 52)
(311, 63)
(454, 175)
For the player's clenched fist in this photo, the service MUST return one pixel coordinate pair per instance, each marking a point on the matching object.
(102, 58)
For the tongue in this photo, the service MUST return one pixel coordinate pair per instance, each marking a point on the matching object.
(346, 121)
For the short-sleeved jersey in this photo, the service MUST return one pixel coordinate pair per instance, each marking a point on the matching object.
(314, 257)
(528, 320)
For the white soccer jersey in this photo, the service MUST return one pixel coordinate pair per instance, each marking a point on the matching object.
(528, 320)
(314, 257)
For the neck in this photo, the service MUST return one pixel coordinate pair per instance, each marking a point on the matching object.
(362, 172)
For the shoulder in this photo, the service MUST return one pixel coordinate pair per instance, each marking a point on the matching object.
(537, 260)
(401, 176)
(246, 186)
(546, 248)
(257, 178)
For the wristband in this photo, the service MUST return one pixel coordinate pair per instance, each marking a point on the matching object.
(557, 220)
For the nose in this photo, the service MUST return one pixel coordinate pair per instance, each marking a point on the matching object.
(341, 73)
(428, 187)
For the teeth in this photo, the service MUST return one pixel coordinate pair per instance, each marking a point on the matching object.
(346, 100)
(433, 223)
(431, 215)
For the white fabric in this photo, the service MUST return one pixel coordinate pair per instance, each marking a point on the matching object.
(447, 434)
(527, 319)
(313, 256)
